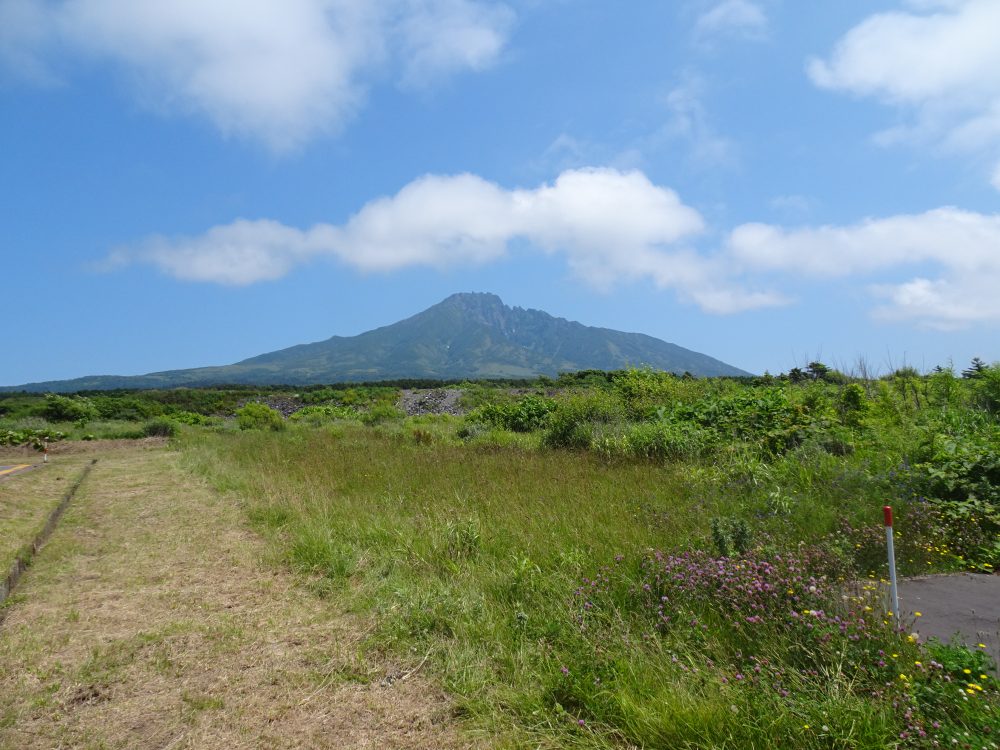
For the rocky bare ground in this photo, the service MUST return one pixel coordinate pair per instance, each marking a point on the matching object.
(434, 401)
(285, 404)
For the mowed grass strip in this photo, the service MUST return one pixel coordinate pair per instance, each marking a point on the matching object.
(27, 499)
(151, 620)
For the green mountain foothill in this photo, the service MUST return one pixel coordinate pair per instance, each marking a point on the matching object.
(468, 335)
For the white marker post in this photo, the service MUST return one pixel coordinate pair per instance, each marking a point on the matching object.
(893, 594)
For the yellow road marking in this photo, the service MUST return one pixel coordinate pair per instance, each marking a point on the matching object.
(12, 469)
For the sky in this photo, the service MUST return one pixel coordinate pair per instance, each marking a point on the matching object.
(193, 182)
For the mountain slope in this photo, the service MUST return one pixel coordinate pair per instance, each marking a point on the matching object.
(465, 336)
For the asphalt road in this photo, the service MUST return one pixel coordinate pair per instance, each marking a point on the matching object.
(962, 605)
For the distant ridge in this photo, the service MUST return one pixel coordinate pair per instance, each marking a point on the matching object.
(468, 335)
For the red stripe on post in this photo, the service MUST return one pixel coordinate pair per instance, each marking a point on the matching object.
(887, 513)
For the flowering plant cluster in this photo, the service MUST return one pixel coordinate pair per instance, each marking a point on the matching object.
(791, 628)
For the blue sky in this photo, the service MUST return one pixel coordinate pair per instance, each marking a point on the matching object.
(191, 183)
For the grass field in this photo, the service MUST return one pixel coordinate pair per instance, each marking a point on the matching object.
(536, 584)
(610, 560)
(26, 501)
(154, 619)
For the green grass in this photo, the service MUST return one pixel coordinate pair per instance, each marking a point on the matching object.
(469, 555)
(610, 595)
(27, 499)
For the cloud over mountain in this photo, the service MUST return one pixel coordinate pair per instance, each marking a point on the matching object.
(938, 268)
(611, 226)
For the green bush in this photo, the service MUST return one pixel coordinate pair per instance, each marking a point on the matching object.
(472, 430)
(527, 414)
(944, 388)
(646, 389)
(381, 412)
(664, 440)
(66, 409)
(573, 422)
(259, 417)
(317, 415)
(37, 439)
(852, 403)
(961, 476)
(126, 408)
(190, 418)
(766, 417)
(987, 389)
(159, 428)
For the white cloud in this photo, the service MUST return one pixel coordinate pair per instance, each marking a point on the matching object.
(937, 269)
(796, 205)
(240, 253)
(281, 72)
(959, 246)
(684, 133)
(941, 304)
(611, 226)
(937, 62)
(688, 120)
(733, 17)
(25, 26)
(438, 36)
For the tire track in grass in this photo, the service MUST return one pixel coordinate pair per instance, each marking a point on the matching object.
(153, 620)
(24, 556)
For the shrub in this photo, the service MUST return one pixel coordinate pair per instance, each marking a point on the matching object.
(666, 440)
(765, 416)
(66, 409)
(987, 388)
(644, 390)
(317, 415)
(572, 423)
(381, 412)
(852, 403)
(730, 535)
(37, 439)
(125, 408)
(472, 430)
(259, 417)
(190, 418)
(945, 390)
(159, 428)
(527, 414)
(962, 477)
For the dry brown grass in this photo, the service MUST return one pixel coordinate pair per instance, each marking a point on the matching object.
(151, 620)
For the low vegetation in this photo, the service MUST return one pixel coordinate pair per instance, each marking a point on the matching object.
(628, 558)
(26, 506)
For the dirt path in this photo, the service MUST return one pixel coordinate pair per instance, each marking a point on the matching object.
(152, 620)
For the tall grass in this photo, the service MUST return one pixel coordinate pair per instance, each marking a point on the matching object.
(475, 556)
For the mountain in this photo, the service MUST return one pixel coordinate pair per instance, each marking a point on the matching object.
(466, 336)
